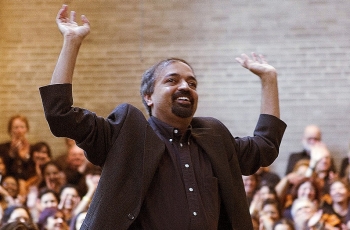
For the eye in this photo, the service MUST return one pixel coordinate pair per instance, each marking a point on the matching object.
(192, 85)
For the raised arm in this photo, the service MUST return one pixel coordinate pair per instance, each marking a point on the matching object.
(73, 35)
(268, 75)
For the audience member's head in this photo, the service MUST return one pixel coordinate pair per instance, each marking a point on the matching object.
(312, 135)
(52, 219)
(16, 213)
(41, 153)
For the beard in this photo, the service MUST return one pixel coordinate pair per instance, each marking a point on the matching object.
(182, 110)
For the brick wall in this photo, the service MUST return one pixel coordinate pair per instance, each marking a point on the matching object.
(306, 40)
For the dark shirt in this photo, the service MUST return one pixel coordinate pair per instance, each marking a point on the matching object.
(16, 166)
(294, 158)
(184, 191)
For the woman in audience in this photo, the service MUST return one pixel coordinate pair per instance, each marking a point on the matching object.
(17, 151)
(336, 212)
(17, 213)
(40, 155)
(284, 187)
(306, 188)
(9, 190)
(265, 192)
(251, 184)
(269, 214)
(69, 200)
(52, 219)
(53, 177)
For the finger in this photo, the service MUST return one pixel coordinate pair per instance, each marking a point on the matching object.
(62, 14)
(72, 17)
(254, 57)
(85, 20)
(262, 59)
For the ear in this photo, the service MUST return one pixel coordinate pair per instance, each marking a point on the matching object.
(148, 100)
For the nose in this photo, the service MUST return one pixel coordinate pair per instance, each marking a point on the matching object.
(183, 85)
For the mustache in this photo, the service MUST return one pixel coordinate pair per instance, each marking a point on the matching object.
(182, 94)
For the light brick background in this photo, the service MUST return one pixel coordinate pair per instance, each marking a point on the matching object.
(306, 40)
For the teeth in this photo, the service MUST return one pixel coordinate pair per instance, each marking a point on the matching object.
(184, 98)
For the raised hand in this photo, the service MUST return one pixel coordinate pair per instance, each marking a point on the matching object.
(257, 64)
(69, 27)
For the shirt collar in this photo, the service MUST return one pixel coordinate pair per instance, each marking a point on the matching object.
(170, 132)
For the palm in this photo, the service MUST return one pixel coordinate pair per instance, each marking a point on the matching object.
(256, 64)
(68, 26)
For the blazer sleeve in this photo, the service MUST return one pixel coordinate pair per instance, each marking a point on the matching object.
(262, 148)
(92, 133)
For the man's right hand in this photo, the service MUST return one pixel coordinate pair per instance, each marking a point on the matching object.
(69, 27)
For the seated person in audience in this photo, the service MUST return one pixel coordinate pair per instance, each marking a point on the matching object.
(46, 199)
(283, 224)
(306, 188)
(302, 211)
(266, 176)
(293, 178)
(16, 152)
(69, 200)
(251, 184)
(52, 219)
(53, 177)
(312, 136)
(264, 192)
(9, 190)
(17, 213)
(40, 155)
(269, 214)
(75, 165)
(336, 211)
(344, 164)
(18, 225)
(320, 166)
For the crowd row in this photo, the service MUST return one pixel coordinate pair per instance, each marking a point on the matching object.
(39, 191)
(311, 195)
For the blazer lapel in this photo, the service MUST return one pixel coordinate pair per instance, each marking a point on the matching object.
(153, 150)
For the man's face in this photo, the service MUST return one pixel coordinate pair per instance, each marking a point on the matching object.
(75, 157)
(175, 94)
(312, 136)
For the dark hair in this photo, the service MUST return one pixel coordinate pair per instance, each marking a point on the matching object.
(149, 78)
(295, 188)
(8, 211)
(21, 117)
(11, 176)
(18, 225)
(38, 146)
(44, 191)
(69, 186)
(44, 166)
(274, 202)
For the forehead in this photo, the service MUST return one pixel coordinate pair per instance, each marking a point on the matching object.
(174, 67)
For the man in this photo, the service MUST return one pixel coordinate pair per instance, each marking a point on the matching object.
(312, 136)
(173, 171)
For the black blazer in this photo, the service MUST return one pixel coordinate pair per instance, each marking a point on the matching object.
(129, 150)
